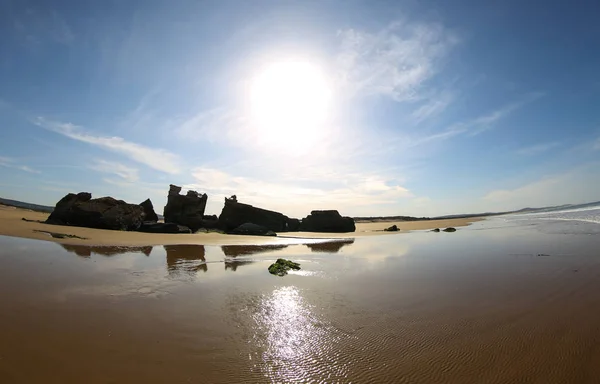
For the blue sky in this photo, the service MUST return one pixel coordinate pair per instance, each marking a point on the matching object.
(434, 107)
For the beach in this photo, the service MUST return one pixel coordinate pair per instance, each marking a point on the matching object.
(12, 224)
(500, 300)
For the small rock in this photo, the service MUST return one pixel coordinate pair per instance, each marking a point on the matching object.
(393, 228)
(282, 266)
(435, 230)
(450, 229)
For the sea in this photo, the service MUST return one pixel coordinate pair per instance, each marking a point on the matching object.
(570, 219)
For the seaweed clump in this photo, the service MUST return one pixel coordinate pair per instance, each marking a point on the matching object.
(282, 266)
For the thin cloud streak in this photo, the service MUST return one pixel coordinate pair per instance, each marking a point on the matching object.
(110, 167)
(487, 122)
(538, 148)
(8, 162)
(156, 158)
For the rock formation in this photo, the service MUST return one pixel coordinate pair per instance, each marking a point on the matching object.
(103, 213)
(327, 221)
(393, 228)
(293, 225)
(235, 214)
(150, 215)
(252, 229)
(187, 210)
(151, 227)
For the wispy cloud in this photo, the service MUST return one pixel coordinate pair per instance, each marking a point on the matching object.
(396, 61)
(538, 148)
(156, 158)
(433, 107)
(126, 173)
(560, 188)
(487, 122)
(8, 162)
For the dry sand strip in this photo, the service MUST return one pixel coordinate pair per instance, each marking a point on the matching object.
(12, 224)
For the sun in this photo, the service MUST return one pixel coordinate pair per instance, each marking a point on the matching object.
(290, 102)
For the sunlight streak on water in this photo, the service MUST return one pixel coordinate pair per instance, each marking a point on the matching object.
(293, 338)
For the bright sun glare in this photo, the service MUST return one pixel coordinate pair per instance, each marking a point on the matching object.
(290, 102)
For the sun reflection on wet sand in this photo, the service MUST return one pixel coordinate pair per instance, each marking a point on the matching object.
(294, 343)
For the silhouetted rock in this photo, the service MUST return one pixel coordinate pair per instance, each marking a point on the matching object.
(235, 214)
(185, 210)
(435, 230)
(327, 221)
(103, 213)
(151, 227)
(61, 212)
(149, 213)
(252, 230)
(293, 225)
(450, 229)
(210, 221)
(393, 228)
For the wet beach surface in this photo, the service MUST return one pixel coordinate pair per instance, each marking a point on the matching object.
(496, 302)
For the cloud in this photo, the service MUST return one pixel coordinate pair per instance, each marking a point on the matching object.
(395, 62)
(351, 193)
(550, 190)
(214, 125)
(486, 122)
(537, 149)
(433, 107)
(156, 158)
(127, 174)
(8, 162)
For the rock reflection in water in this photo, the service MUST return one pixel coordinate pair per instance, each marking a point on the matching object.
(330, 246)
(242, 250)
(187, 258)
(105, 250)
(233, 251)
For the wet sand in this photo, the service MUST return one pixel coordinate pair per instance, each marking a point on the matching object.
(502, 305)
(11, 224)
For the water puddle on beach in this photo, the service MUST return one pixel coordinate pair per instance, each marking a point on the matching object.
(468, 307)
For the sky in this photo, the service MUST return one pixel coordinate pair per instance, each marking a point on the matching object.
(374, 108)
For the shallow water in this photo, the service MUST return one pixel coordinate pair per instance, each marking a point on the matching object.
(500, 301)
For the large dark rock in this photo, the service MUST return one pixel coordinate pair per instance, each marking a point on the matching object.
(104, 213)
(187, 210)
(149, 214)
(327, 221)
(60, 214)
(210, 222)
(252, 229)
(393, 228)
(152, 227)
(235, 214)
(293, 225)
